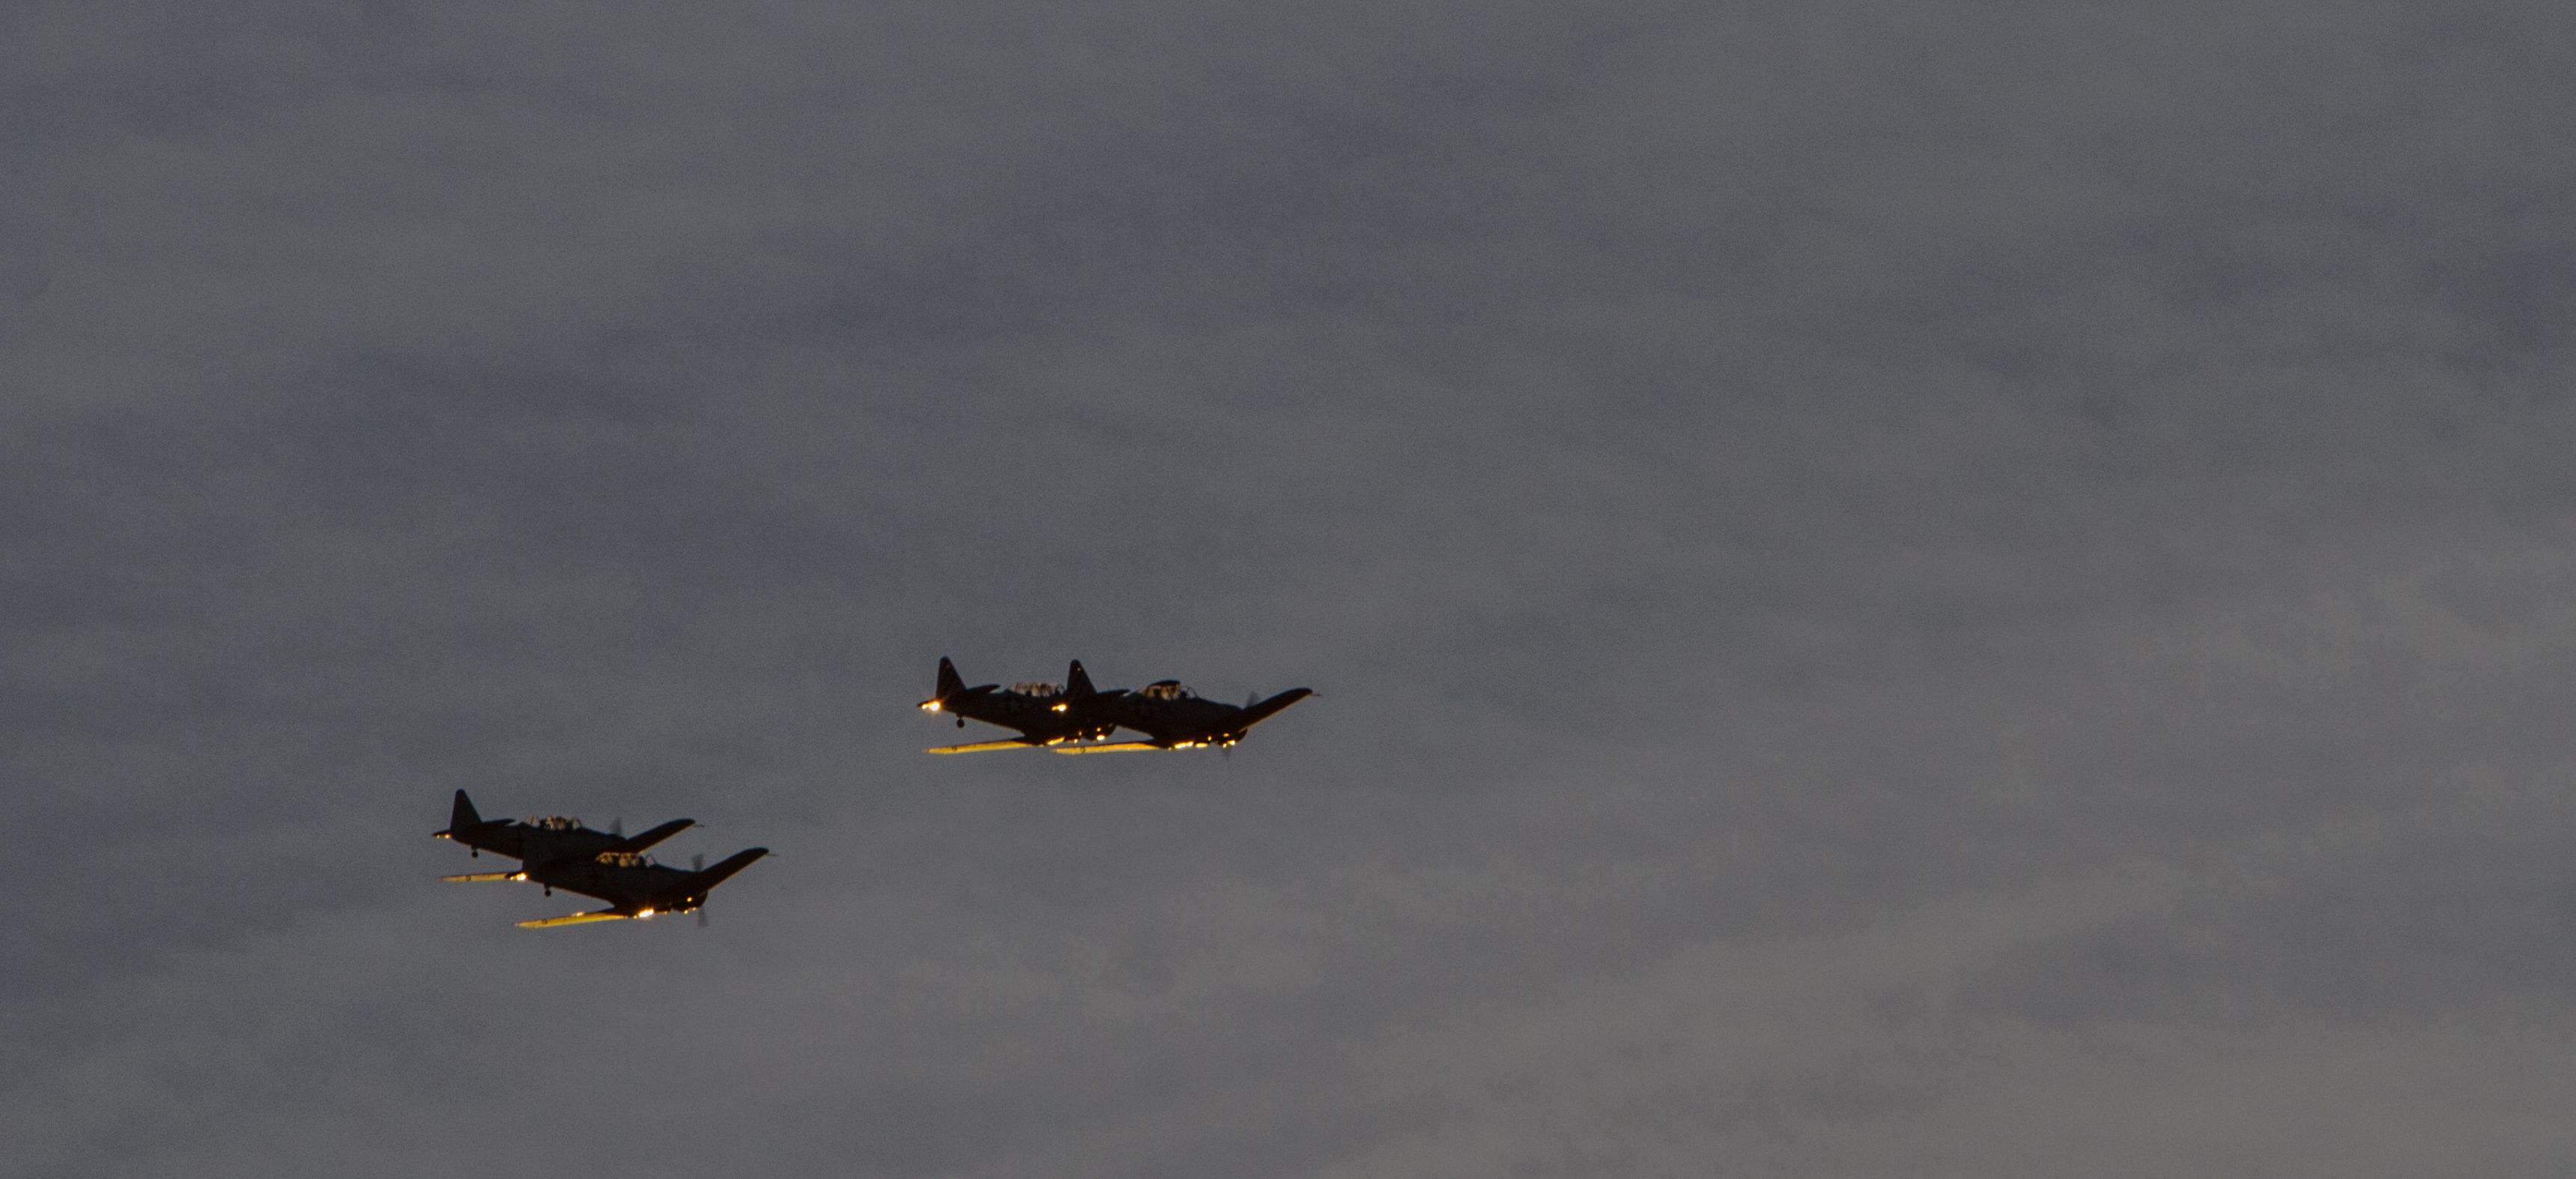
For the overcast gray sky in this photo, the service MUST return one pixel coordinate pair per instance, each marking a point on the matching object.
(1898, 590)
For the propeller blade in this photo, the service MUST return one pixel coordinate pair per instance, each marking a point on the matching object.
(617, 827)
(698, 862)
(702, 919)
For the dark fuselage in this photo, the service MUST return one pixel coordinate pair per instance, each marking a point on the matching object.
(1042, 719)
(1175, 718)
(533, 842)
(537, 842)
(635, 886)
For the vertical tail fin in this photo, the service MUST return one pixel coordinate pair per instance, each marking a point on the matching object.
(464, 814)
(1077, 683)
(950, 683)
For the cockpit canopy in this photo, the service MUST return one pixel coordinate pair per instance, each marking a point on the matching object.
(1166, 690)
(553, 822)
(1037, 689)
(626, 859)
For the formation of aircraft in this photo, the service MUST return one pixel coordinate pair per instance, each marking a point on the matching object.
(1075, 717)
(1071, 717)
(556, 851)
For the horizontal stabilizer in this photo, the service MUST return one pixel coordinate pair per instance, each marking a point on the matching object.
(1109, 747)
(478, 877)
(575, 919)
(978, 747)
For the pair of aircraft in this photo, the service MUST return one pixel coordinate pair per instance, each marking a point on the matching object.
(558, 852)
(1065, 716)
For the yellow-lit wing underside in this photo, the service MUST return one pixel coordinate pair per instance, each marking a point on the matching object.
(977, 747)
(480, 876)
(1111, 747)
(574, 919)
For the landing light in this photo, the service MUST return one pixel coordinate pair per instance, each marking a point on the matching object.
(644, 912)
(930, 706)
(1056, 708)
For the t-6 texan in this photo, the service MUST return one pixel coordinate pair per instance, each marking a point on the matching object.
(1173, 717)
(1045, 714)
(635, 886)
(539, 842)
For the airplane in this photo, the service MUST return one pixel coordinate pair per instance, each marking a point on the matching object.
(1173, 717)
(1045, 714)
(634, 886)
(537, 842)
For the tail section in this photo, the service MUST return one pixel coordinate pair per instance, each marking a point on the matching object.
(462, 816)
(1077, 683)
(952, 687)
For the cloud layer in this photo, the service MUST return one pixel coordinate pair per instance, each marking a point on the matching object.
(1894, 592)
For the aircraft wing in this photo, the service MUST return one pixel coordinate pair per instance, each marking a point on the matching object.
(576, 919)
(1108, 747)
(480, 876)
(1263, 710)
(637, 843)
(978, 747)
